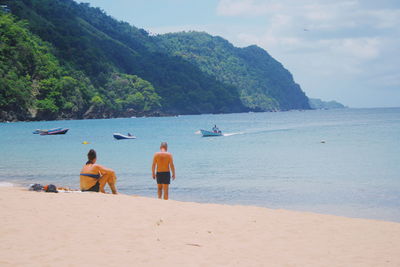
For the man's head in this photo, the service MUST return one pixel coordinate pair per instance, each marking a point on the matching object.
(164, 146)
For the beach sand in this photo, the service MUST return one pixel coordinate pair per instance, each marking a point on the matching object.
(91, 229)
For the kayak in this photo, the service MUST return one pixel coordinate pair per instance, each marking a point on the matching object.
(210, 133)
(119, 136)
(55, 131)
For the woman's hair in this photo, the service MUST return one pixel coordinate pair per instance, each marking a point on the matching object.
(91, 156)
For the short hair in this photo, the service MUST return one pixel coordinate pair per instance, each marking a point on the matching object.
(164, 145)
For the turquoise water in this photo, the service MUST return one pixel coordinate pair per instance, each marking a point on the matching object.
(275, 160)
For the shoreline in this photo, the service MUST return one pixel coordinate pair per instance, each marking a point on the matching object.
(194, 114)
(151, 115)
(25, 187)
(103, 230)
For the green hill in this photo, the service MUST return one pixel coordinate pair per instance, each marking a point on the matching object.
(61, 59)
(263, 83)
(316, 103)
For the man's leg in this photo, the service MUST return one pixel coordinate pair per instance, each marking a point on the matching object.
(109, 179)
(165, 188)
(159, 190)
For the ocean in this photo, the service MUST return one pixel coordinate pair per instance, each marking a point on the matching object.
(344, 162)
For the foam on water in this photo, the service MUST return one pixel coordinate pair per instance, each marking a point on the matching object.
(6, 184)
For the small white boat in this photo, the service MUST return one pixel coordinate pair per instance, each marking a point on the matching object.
(206, 133)
(119, 136)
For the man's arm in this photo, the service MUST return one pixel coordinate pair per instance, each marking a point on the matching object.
(172, 166)
(153, 167)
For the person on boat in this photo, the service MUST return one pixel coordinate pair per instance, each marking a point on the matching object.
(163, 164)
(215, 129)
(94, 177)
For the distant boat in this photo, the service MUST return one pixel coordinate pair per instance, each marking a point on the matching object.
(55, 131)
(210, 133)
(39, 131)
(119, 136)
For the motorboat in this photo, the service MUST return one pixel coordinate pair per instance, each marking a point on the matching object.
(39, 131)
(206, 133)
(119, 136)
(55, 131)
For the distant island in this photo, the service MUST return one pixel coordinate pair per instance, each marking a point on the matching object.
(316, 103)
(66, 60)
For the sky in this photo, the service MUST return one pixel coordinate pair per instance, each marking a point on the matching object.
(344, 50)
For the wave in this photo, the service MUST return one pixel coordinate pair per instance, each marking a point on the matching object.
(6, 184)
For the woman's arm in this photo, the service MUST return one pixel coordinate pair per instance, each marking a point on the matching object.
(104, 170)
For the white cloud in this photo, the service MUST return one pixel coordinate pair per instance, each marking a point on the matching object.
(325, 43)
(362, 48)
(246, 7)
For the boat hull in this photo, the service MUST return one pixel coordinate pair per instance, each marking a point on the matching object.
(123, 137)
(39, 131)
(55, 132)
(206, 133)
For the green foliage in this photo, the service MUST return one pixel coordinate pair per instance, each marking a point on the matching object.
(316, 103)
(88, 40)
(47, 105)
(34, 83)
(263, 83)
(133, 93)
(61, 59)
(97, 101)
(32, 79)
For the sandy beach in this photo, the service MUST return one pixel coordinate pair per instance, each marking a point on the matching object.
(91, 229)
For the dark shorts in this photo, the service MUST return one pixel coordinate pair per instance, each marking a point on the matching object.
(163, 177)
(95, 188)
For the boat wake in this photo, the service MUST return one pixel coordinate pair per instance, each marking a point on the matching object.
(224, 134)
(258, 131)
(231, 134)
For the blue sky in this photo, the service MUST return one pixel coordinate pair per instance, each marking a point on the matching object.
(345, 50)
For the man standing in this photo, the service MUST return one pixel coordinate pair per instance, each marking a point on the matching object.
(164, 163)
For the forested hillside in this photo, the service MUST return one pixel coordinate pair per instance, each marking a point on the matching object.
(263, 82)
(33, 83)
(316, 103)
(61, 59)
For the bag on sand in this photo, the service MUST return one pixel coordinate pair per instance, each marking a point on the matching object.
(36, 187)
(51, 188)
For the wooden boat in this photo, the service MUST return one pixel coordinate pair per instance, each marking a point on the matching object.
(39, 131)
(55, 131)
(119, 136)
(206, 133)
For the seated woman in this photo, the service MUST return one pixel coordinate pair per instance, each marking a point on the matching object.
(94, 176)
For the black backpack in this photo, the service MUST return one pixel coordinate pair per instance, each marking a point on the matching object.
(36, 187)
(51, 188)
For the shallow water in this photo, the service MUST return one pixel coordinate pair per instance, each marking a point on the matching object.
(275, 160)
